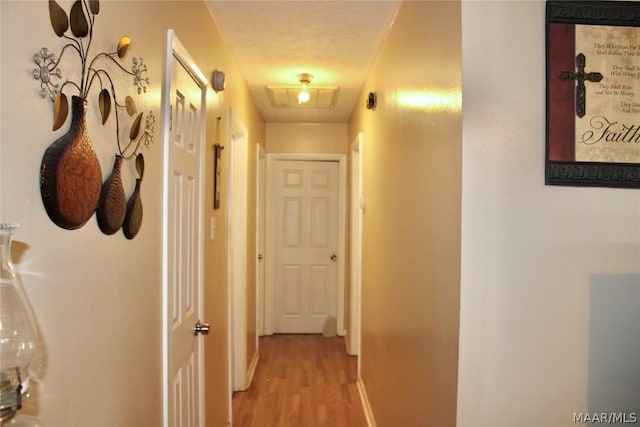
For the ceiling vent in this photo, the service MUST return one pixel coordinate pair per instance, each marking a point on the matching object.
(287, 97)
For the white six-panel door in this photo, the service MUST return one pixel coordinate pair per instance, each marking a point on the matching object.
(306, 222)
(182, 228)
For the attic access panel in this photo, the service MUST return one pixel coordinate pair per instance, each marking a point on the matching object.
(287, 97)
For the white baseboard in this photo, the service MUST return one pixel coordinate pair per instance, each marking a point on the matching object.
(368, 413)
(252, 368)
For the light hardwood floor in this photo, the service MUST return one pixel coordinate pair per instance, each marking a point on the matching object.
(301, 381)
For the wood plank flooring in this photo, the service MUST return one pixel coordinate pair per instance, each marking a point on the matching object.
(301, 381)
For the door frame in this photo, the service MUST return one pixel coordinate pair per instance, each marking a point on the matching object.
(261, 187)
(173, 47)
(355, 240)
(341, 159)
(237, 255)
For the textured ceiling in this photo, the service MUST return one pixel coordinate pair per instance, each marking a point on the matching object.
(275, 41)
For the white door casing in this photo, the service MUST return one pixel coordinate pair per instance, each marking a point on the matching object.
(305, 235)
(261, 179)
(355, 264)
(237, 247)
(184, 117)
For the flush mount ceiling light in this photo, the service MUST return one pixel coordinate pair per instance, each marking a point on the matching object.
(305, 80)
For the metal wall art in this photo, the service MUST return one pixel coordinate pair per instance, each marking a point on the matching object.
(593, 93)
(217, 167)
(70, 175)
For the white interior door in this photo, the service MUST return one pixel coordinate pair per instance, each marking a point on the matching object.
(306, 222)
(184, 112)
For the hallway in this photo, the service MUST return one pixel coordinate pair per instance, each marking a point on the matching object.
(301, 380)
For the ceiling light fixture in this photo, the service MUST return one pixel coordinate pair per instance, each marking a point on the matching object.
(305, 80)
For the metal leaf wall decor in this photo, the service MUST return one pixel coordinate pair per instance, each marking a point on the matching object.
(68, 185)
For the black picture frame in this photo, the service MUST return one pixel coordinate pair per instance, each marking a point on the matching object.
(591, 136)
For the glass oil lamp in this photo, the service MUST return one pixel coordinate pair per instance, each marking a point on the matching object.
(17, 333)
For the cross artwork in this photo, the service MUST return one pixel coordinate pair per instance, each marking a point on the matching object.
(580, 77)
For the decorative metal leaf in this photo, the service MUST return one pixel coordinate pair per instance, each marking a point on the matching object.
(131, 106)
(123, 46)
(104, 102)
(94, 6)
(135, 128)
(60, 110)
(58, 17)
(140, 165)
(79, 24)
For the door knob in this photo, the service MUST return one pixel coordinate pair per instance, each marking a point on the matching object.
(201, 328)
(334, 257)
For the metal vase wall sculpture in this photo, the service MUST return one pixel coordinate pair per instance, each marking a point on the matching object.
(70, 174)
(113, 203)
(133, 217)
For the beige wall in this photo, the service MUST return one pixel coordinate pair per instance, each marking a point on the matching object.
(98, 298)
(306, 138)
(411, 231)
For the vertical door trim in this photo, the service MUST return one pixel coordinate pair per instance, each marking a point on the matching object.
(173, 47)
(272, 158)
(261, 179)
(355, 259)
(237, 259)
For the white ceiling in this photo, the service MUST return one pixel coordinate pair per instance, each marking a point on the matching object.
(274, 41)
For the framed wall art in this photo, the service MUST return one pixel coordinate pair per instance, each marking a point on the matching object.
(593, 93)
